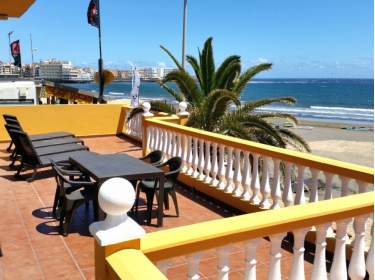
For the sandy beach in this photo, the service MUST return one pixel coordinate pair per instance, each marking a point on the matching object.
(330, 140)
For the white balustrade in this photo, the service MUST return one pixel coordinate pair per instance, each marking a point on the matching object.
(276, 191)
(223, 262)
(221, 168)
(207, 162)
(201, 160)
(255, 185)
(298, 268)
(229, 171)
(357, 267)
(287, 195)
(265, 184)
(314, 191)
(237, 173)
(214, 166)
(338, 268)
(344, 185)
(300, 193)
(246, 176)
(370, 255)
(193, 266)
(195, 172)
(275, 257)
(329, 185)
(250, 259)
(320, 269)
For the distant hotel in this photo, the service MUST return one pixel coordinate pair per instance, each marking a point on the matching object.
(63, 71)
(146, 73)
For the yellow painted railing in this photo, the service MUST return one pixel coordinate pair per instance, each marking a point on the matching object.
(190, 240)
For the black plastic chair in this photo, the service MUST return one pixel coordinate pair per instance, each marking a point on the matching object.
(151, 187)
(154, 158)
(70, 194)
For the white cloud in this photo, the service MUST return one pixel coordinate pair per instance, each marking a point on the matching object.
(260, 60)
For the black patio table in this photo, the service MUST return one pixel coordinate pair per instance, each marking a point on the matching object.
(103, 167)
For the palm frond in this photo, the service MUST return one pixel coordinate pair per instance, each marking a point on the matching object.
(195, 65)
(295, 140)
(176, 95)
(186, 84)
(207, 67)
(252, 105)
(223, 67)
(249, 74)
(179, 66)
(228, 76)
(279, 116)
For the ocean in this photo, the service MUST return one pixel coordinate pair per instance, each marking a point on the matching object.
(330, 100)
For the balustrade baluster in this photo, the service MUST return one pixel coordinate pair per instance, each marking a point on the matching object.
(300, 194)
(357, 267)
(344, 185)
(255, 185)
(178, 152)
(207, 162)
(338, 268)
(275, 257)
(160, 139)
(201, 160)
(165, 143)
(172, 143)
(329, 185)
(265, 184)
(250, 259)
(287, 192)
(362, 187)
(370, 255)
(163, 266)
(223, 263)
(320, 269)
(246, 176)
(195, 172)
(229, 171)
(189, 156)
(275, 191)
(214, 165)
(221, 170)
(237, 173)
(184, 150)
(193, 266)
(314, 194)
(298, 267)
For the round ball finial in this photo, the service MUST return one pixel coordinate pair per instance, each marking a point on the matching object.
(146, 106)
(182, 106)
(116, 196)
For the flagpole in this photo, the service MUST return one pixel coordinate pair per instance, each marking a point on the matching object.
(184, 34)
(100, 61)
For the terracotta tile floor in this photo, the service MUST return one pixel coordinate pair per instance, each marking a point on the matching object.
(33, 249)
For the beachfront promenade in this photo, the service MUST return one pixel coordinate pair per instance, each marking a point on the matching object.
(286, 197)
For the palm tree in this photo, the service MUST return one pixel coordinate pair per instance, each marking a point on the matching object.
(213, 91)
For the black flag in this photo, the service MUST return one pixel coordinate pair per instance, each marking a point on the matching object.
(16, 52)
(93, 16)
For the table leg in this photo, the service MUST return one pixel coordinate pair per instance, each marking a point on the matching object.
(160, 201)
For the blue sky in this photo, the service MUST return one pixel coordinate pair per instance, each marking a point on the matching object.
(317, 38)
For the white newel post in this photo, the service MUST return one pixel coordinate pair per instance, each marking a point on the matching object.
(182, 106)
(116, 197)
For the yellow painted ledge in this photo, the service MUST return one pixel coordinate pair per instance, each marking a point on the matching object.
(131, 264)
(207, 235)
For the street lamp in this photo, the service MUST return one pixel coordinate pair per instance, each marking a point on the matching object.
(10, 50)
(184, 34)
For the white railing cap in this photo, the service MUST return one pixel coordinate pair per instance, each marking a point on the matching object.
(146, 109)
(116, 197)
(182, 106)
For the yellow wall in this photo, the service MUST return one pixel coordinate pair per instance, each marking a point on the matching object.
(81, 120)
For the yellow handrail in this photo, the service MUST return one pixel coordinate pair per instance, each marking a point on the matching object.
(132, 264)
(212, 234)
(345, 169)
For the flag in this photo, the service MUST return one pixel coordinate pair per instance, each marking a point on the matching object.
(93, 16)
(134, 94)
(16, 52)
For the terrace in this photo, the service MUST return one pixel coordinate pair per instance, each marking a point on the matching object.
(310, 199)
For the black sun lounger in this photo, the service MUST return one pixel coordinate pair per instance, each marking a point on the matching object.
(41, 143)
(12, 120)
(41, 157)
